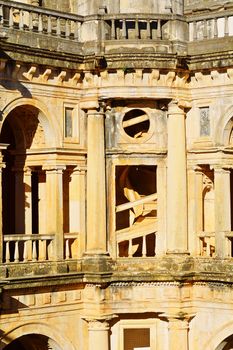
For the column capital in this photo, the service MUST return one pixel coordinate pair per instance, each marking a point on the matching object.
(99, 323)
(86, 104)
(178, 320)
(79, 170)
(221, 169)
(178, 106)
(56, 168)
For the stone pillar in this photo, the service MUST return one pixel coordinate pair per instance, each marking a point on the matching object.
(98, 333)
(2, 165)
(176, 181)
(96, 186)
(54, 207)
(222, 197)
(161, 208)
(177, 333)
(77, 206)
(19, 201)
(27, 179)
(195, 208)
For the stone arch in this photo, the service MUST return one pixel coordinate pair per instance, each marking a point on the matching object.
(39, 328)
(217, 340)
(224, 128)
(44, 117)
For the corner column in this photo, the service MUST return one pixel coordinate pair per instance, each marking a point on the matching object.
(54, 199)
(222, 195)
(178, 333)
(98, 333)
(96, 183)
(177, 241)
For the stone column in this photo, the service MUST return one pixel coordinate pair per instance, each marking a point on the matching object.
(195, 208)
(98, 333)
(77, 206)
(27, 179)
(161, 208)
(222, 197)
(19, 201)
(176, 181)
(54, 207)
(178, 333)
(2, 165)
(96, 186)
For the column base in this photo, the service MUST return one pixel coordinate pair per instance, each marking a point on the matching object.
(97, 262)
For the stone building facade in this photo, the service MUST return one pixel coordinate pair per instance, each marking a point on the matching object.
(116, 165)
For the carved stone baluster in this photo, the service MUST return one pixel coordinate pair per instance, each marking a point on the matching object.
(42, 249)
(67, 255)
(58, 29)
(226, 26)
(25, 251)
(30, 21)
(205, 35)
(34, 252)
(159, 31)
(136, 29)
(76, 30)
(7, 252)
(208, 246)
(40, 24)
(215, 28)
(194, 31)
(124, 33)
(11, 18)
(16, 255)
(144, 246)
(67, 33)
(113, 29)
(130, 254)
(49, 25)
(148, 29)
(21, 24)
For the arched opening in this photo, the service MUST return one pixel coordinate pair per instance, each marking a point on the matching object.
(22, 177)
(33, 342)
(226, 344)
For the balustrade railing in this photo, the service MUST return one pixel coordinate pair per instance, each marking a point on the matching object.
(37, 247)
(132, 26)
(35, 19)
(210, 26)
(24, 248)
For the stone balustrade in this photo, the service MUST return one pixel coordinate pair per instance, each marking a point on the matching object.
(29, 18)
(36, 247)
(135, 26)
(210, 26)
(207, 242)
(24, 248)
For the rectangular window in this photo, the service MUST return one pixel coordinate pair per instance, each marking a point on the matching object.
(137, 338)
(68, 122)
(204, 121)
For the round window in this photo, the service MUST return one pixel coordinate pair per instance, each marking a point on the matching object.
(136, 123)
